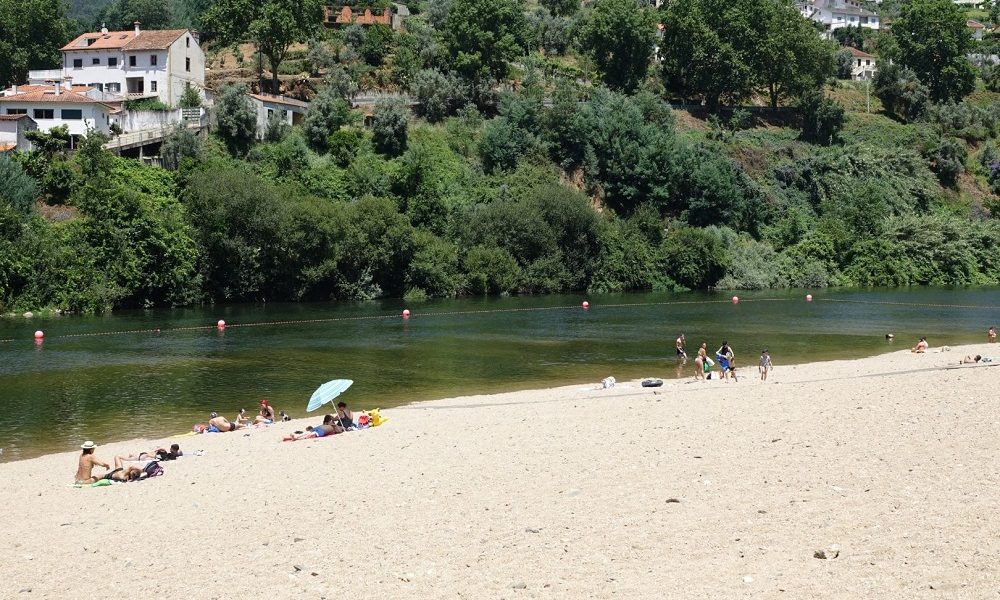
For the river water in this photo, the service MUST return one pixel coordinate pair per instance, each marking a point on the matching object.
(116, 377)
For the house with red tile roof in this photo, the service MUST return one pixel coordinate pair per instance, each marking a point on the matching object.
(134, 64)
(863, 65)
(346, 15)
(57, 104)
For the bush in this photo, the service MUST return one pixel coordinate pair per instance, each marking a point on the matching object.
(390, 126)
(947, 159)
(693, 257)
(235, 120)
(18, 189)
(822, 118)
(491, 270)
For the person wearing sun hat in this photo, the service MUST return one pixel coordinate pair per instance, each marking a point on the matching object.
(85, 468)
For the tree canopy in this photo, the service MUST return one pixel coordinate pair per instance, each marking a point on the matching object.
(618, 35)
(483, 36)
(932, 39)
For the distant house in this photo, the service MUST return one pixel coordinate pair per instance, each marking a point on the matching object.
(135, 64)
(290, 110)
(12, 132)
(834, 14)
(975, 28)
(58, 104)
(345, 15)
(863, 65)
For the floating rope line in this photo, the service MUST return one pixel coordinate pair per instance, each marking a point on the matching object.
(493, 311)
(923, 304)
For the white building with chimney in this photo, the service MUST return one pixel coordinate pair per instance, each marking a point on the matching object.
(58, 104)
(134, 64)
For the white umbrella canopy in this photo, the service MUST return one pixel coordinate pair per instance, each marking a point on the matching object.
(328, 392)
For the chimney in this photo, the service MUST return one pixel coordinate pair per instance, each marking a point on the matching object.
(136, 28)
(58, 87)
(68, 85)
(13, 89)
(104, 29)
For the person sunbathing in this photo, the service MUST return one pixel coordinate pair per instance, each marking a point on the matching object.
(345, 416)
(330, 426)
(222, 423)
(969, 359)
(124, 474)
(157, 454)
(921, 346)
(85, 466)
(242, 418)
(266, 416)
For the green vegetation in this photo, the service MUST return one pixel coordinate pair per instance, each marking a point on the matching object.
(539, 158)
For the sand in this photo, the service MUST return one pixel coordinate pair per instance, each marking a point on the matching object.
(692, 490)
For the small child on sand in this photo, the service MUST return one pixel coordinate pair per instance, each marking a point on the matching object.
(765, 364)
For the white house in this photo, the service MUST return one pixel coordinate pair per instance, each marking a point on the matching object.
(58, 104)
(135, 64)
(290, 110)
(863, 65)
(12, 132)
(834, 14)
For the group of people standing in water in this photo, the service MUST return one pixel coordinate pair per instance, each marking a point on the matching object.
(724, 357)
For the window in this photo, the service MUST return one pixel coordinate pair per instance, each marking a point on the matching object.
(868, 63)
(152, 60)
(187, 42)
(17, 111)
(96, 86)
(270, 113)
(187, 64)
(71, 114)
(131, 61)
(113, 62)
(95, 61)
(113, 88)
(43, 113)
(152, 86)
(77, 63)
(859, 62)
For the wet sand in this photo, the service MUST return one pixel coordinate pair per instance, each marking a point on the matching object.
(691, 490)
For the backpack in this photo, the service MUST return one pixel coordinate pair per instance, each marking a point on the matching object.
(152, 469)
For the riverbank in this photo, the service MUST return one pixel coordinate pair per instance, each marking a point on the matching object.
(692, 490)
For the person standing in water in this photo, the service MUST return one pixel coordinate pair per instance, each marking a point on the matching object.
(991, 335)
(681, 352)
(765, 364)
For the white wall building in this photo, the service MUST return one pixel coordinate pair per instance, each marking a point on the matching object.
(290, 110)
(834, 14)
(863, 65)
(135, 64)
(12, 132)
(58, 104)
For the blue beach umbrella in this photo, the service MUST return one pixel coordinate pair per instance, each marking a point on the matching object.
(327, 392)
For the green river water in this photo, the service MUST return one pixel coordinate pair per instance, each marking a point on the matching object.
(114, 377)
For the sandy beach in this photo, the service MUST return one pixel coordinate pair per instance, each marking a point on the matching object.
(691, 490)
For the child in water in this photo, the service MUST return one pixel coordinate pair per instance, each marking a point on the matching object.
(765, 364)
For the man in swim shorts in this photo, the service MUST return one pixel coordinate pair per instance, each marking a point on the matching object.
(681, 352)
(85, 467)
(222, 423)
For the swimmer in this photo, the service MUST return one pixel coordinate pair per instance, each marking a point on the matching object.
(681, 352)
(765, 364)
(991, 335)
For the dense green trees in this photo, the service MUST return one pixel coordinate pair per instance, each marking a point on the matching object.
(931, 39)
(235, 119)
(389, 127)
(31, 34)
(483, 36)
(618, 35)
(719, 51)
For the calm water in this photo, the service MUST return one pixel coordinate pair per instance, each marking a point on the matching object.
(76, 385)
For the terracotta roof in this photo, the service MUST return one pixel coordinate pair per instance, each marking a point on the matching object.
(125, 40)
(973, 24)
(7, 147)
(13, 117)
(23, 89)
(858, 53)
(49, 95)
(279, 100)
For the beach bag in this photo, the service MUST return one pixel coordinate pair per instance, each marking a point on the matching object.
(362, 421)
(608, 382)
(152, 469)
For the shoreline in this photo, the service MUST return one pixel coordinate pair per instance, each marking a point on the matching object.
(744, 371)
(690, 490)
